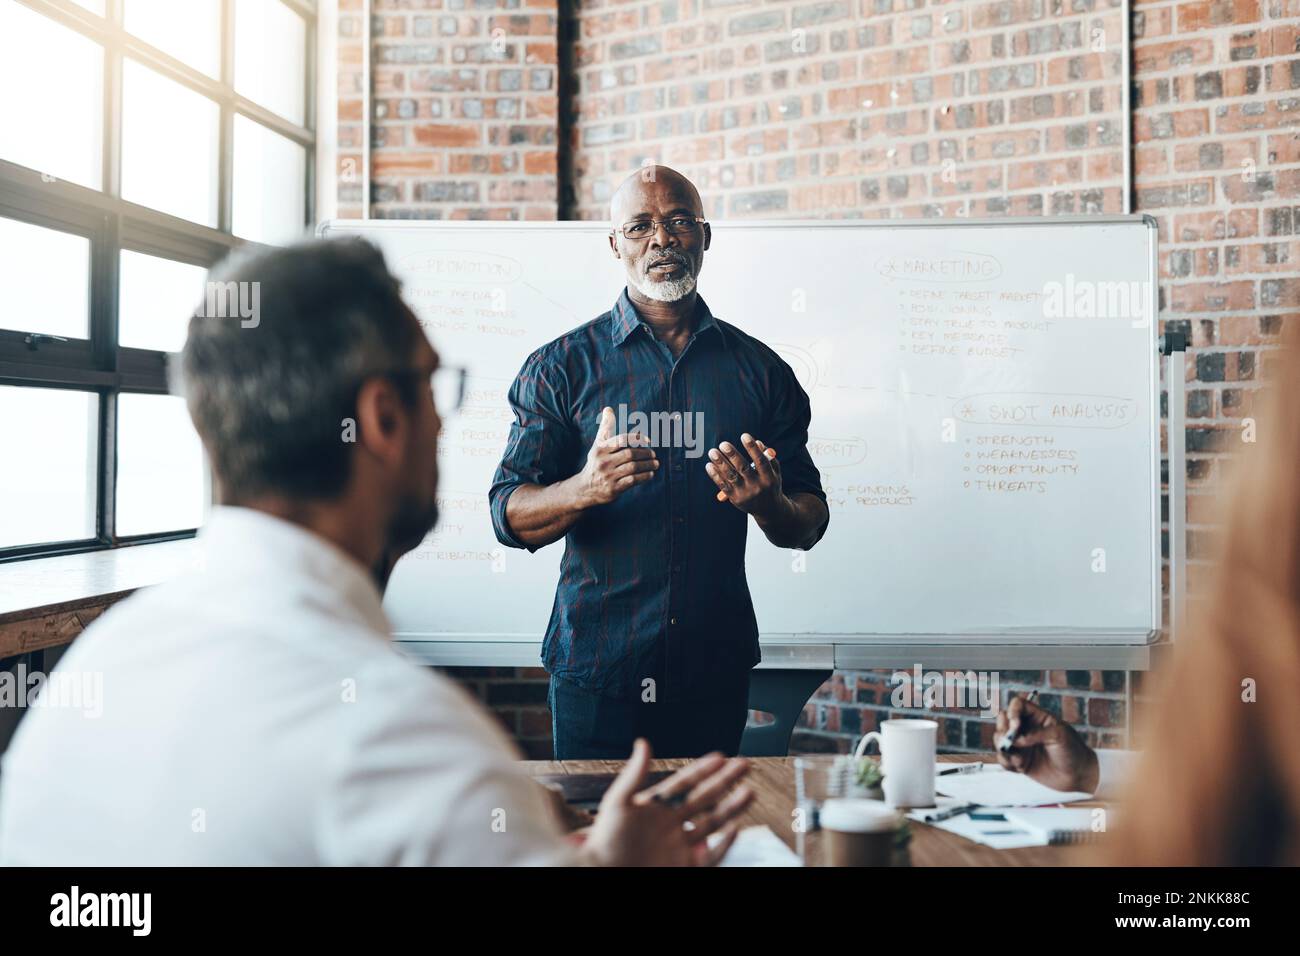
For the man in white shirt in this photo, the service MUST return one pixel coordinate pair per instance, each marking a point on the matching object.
(253, 709)
(1051, 752)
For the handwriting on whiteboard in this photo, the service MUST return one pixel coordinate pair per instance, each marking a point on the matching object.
(1046, 409)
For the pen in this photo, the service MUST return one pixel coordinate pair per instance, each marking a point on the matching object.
(950, 812)
(964, 768)
(1009, 738)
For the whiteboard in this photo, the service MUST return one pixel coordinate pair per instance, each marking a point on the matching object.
(984, 396)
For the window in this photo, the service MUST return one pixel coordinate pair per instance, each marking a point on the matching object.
(156, 298)
(165, 134)
(267, 207)
(271, 57)
(45, 275)
(46, 494)
(160, 483)
(189, 31)
(69, 148)
(169, 145)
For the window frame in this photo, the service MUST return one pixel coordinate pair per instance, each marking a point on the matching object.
(99, 363)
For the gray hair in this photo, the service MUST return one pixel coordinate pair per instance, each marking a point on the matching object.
(269, 396)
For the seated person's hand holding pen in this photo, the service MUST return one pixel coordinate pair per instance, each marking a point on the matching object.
(1030, 740)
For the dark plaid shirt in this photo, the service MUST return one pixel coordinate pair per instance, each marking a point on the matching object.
(653, 583)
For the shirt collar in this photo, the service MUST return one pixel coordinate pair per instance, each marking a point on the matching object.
(285, 556)
(624, 320)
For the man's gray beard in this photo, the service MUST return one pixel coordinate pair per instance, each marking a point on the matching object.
(668, 290)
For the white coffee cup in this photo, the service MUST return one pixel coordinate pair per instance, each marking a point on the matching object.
(906, 759)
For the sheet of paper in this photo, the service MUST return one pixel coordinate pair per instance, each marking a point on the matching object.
(758, 846)
(998, 834)
(995, 787)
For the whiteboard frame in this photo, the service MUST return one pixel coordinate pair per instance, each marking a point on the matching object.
(1122, 643)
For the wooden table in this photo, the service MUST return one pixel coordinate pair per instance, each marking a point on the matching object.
(773, 780)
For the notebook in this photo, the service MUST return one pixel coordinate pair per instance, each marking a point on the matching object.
(1057, 825)
(992, 786)
(988, 826)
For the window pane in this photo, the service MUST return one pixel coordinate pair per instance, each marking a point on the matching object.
(271, 57)
(161, 478)
(169, 146)
(270, 184)
(157, 298)
(50, 116)
(189, 31)
(45, 275)
(47, 486)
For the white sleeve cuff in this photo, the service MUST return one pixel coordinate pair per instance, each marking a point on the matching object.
(1114, 767)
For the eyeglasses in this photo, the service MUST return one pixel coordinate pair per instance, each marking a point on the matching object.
(447, 383)
(448, 386)
(644, 228)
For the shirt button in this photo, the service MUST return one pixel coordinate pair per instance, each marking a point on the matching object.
(677, 569)
(677, 416)
(672, 620)
(678, 520)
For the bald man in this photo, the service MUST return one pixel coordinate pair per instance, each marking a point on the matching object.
(652, 633)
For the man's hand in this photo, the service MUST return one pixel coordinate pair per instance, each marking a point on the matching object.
(648, 828)
(615, 463)
(1050, 751)
(751, 481)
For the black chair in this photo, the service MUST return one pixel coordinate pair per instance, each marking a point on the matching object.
(781, 693)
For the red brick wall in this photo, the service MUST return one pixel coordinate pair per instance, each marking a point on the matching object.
(854, 702)
(517, 697)
(857, 108)
(464, 105)
(893, 108)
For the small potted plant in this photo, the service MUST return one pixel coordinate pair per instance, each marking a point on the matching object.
(902, 842)
(869, 780)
